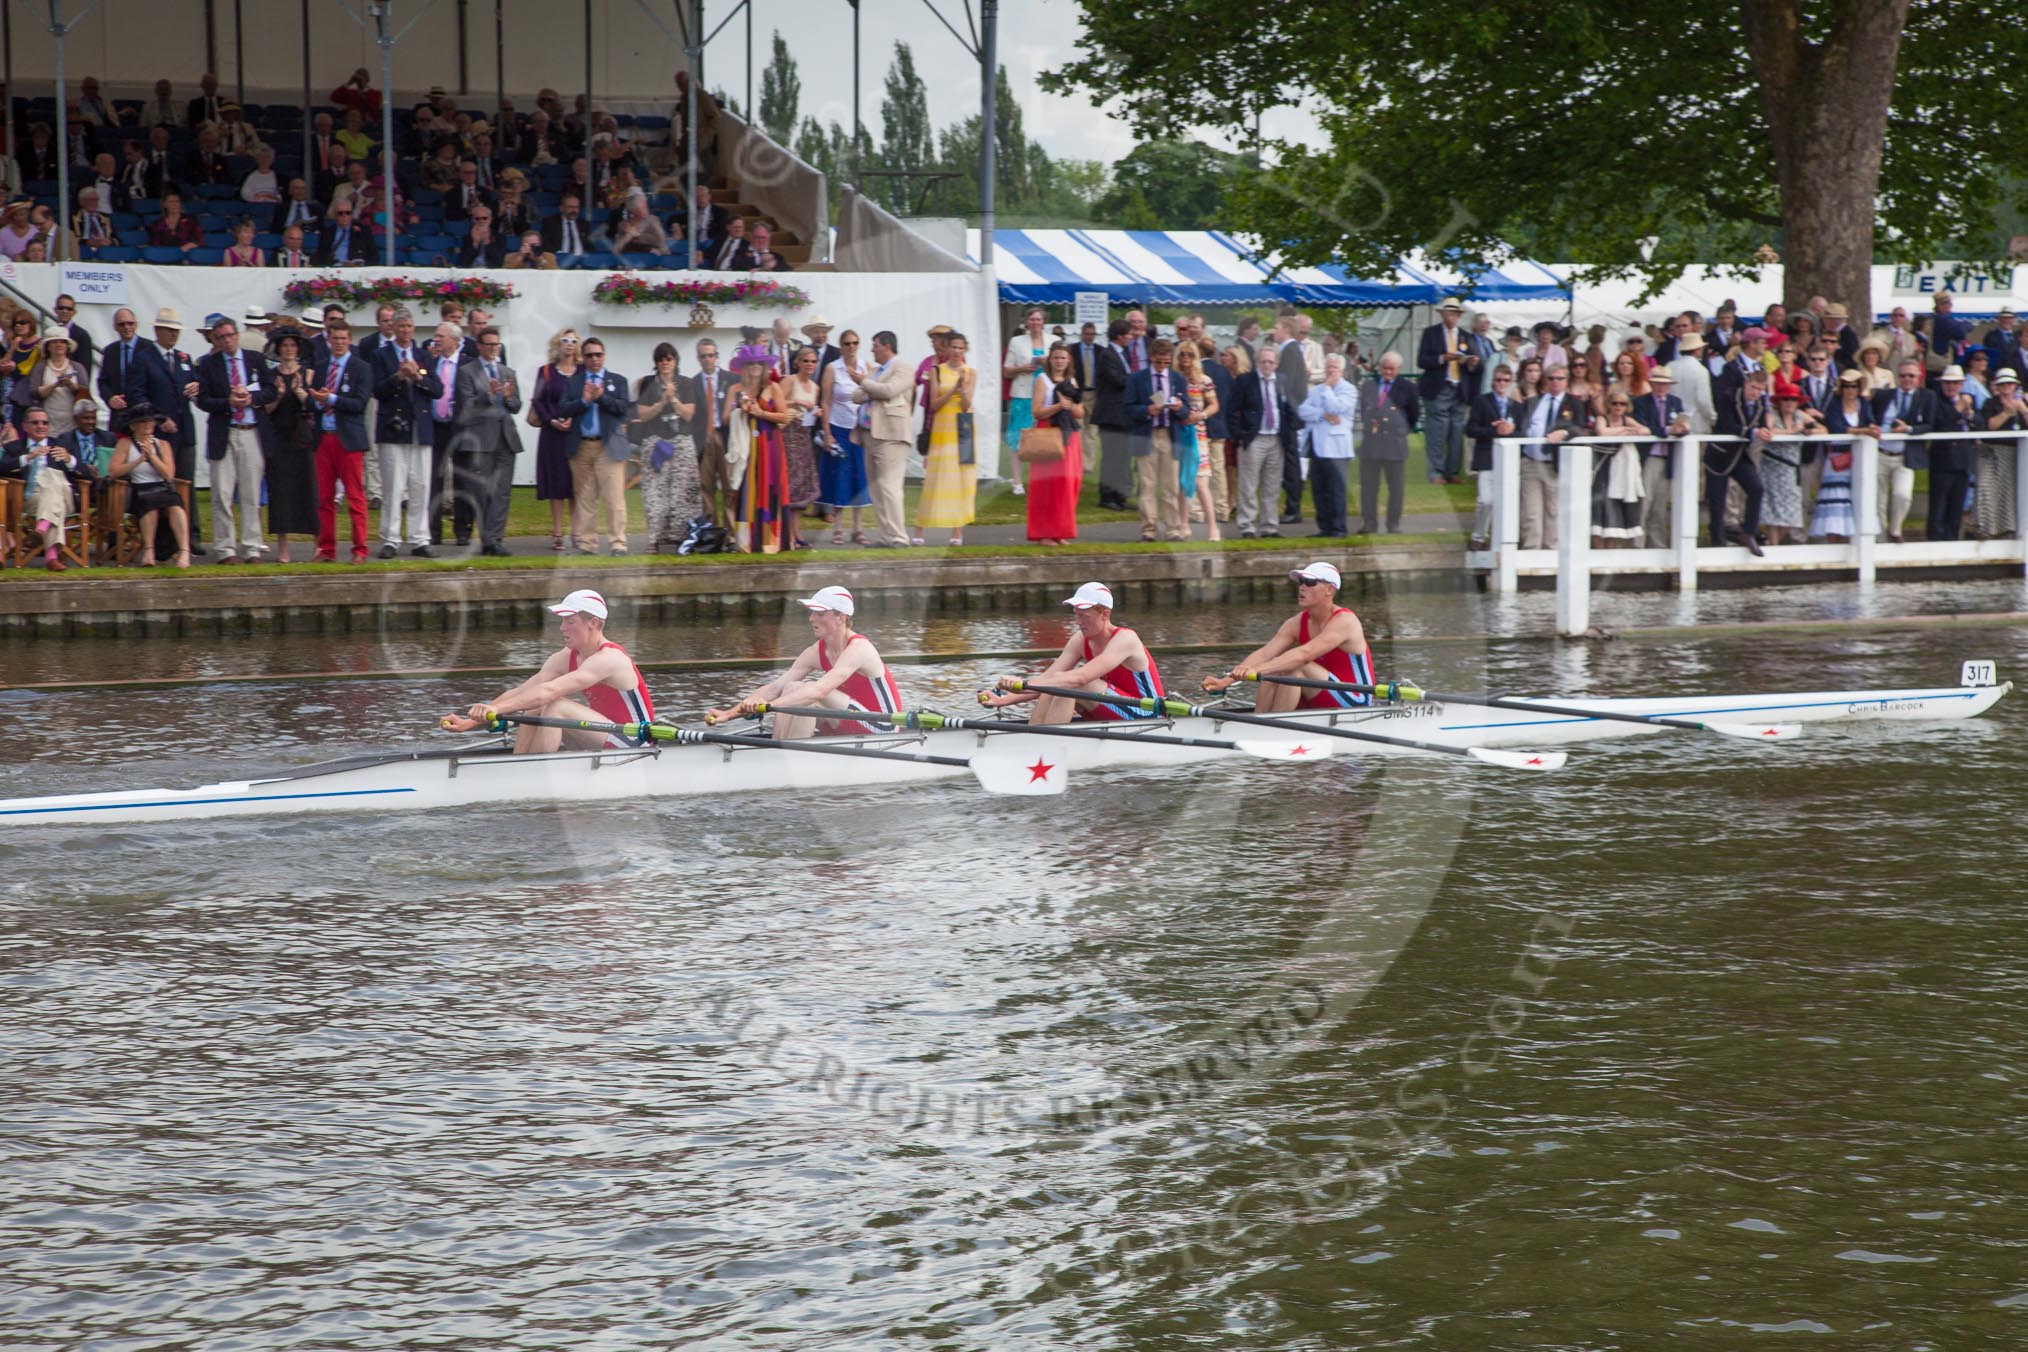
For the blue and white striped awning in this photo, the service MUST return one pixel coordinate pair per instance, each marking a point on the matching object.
(1210, 267)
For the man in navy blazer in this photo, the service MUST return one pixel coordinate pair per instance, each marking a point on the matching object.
(1109, 419)
(1495, 414)
(131, 370)
(340, 386)
(407, 385)
(1263, 425)
(1661, 412)
(340, 241)
(598, 405)
(235, 391)
(1156, 409)
(1906, 410)
(1450, 373)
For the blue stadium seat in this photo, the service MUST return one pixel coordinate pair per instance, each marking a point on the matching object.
(427, 197)
(652, 123)
(442, 244)
(118, 253)
(641, 262)
(41, 187)
(159, 254)
(593, 262)
(217, 192)
(267, 241)
(205, 258)
(137, 238)
(147, 209)
(125, 220)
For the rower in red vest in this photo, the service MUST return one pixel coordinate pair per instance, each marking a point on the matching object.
(588, 678)
(1323, 641)
(1100, 657)
(842, 670)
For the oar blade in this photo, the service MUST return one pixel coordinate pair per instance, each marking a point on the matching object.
(1038, 774)
(1757, 732)
(1285, 749)
(1519, 760)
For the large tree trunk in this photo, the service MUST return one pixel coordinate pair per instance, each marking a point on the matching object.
(1825, 95)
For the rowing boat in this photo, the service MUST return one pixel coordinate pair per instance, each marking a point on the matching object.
(485, 772)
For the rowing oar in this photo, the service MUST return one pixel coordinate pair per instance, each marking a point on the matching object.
(1176, 708)
(922, 720)
(996, 774)
(1401, 690)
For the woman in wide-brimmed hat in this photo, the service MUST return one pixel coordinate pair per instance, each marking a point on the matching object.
(58, 381)
(148, 464)
(16, 232)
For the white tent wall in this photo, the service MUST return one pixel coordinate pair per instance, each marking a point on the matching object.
(129, 44)
(908, 303)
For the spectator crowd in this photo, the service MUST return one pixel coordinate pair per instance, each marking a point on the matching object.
(206, 181)
(1789, 395)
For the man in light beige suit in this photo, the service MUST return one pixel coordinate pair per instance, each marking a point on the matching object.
(890, 388)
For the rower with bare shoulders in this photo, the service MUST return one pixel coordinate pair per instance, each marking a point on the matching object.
(1323, 641)
(842, 670)
(588, 678)
(1101, 657)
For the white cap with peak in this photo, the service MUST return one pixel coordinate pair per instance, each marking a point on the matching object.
(1092, 594)
(581, 603)
(1316, 572)
(832, 598)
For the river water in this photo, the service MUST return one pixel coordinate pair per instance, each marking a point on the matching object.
(1693, 1044)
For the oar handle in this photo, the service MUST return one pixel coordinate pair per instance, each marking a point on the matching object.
(1391, 691)
(633, 732)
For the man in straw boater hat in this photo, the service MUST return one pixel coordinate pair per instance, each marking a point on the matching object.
(818, 331)
(1100, 657)
(590, 677)
(841, 670)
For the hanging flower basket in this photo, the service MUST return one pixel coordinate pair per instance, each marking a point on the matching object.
(353, 293)
(626, 288)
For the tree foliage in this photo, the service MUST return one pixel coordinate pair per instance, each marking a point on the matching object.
(1171, 184)
(781, 91)
(907, 139)
(1584, 127)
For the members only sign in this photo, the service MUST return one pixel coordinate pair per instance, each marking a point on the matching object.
(96, 283)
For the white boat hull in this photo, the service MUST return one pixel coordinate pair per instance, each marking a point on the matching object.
(484, 774)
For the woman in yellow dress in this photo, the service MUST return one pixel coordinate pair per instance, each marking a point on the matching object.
(949, 489)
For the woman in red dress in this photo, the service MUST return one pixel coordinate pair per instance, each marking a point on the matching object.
(755, 412)
(1054, 485)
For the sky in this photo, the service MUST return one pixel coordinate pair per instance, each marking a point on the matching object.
(1035, 36)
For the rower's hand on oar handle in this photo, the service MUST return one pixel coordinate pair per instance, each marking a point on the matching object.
(743, 709)
(989, 700)
(478, 718)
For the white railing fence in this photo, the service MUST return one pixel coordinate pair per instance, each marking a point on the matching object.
(1573, 559)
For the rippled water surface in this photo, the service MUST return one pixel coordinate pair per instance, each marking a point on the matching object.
(1693, 1044)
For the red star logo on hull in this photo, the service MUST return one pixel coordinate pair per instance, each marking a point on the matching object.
(1535, 760)
(1039, 772)
(1299, 751)
(1769, 732)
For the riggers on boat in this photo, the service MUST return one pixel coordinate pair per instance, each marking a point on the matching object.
(923, 749)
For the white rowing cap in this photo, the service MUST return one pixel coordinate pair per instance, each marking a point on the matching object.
(1092, 594)
(1316, 572)
(831, 598)
(581, 603)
